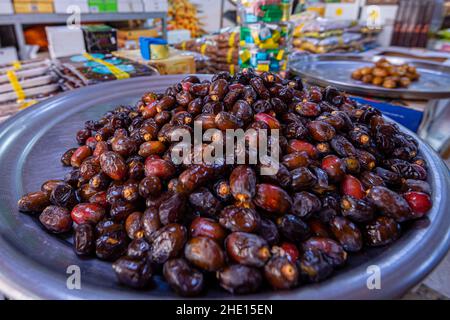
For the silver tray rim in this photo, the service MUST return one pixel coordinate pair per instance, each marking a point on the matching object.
(370, 90)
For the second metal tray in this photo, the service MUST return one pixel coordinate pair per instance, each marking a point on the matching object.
(336, 70)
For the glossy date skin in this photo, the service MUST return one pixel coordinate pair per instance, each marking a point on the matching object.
(346, 179)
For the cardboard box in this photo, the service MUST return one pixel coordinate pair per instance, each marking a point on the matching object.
(129, 38)
(342, 11)
(135, 34)
(63, 42)
(8, 55)
(130, 6)
(62, 5)
(33, 6)
(6, 7)
(175, 64)
(156, 5)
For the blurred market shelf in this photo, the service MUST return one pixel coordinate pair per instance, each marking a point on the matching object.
(19, 20)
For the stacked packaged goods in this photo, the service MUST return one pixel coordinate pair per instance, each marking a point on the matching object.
(226, 57)
(265, 34)
(328, 35)
(202, 62)
(24, 83)
(221, 51)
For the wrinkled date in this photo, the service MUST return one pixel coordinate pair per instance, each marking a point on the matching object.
(183, 279)
(247, 249)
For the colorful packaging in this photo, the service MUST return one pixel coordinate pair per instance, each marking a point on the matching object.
(100, 38)
(97, 67)
(265, 35)
(269, 11)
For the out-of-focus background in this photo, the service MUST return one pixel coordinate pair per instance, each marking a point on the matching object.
(52, 46)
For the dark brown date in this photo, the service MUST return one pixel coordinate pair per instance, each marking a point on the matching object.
(304, 204)
(293, 228)
(203, 201)
(281, 273)
(66, 157)
(296, 160)
(150, 222)
(113, 165)
(272, 198)
(133, 273)
(150, 186)
(167, 242)
(204, 253)
(243, 183)
(172, 209)
(357, 210)
(225, 120)
(159, 168)
(205, 227)
(331, 250)
(258, 85)
(56, 219)
(347, 234)
(321, 131)
(34, 202)
(49, 185)
(84, 239)
(314, 267)
(381, 231)
(111, 245)
(182, 278)
(247, 249)
(133, 225)
(139, 248)
(240, 279)
(390, 203)
(302, 179)
(218, 89)
(79, 155)
(242, 219)
(342, 146)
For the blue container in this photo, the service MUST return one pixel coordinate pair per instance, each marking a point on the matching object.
(144, 44)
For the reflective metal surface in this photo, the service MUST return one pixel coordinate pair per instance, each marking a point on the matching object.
(33, 263)
(336, 70)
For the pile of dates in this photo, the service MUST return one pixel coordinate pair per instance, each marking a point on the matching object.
(347, 180)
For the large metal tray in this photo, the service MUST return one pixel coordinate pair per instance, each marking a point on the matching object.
(336, 70)
(33, 264)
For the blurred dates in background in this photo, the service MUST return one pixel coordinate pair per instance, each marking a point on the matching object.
(225, 309)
